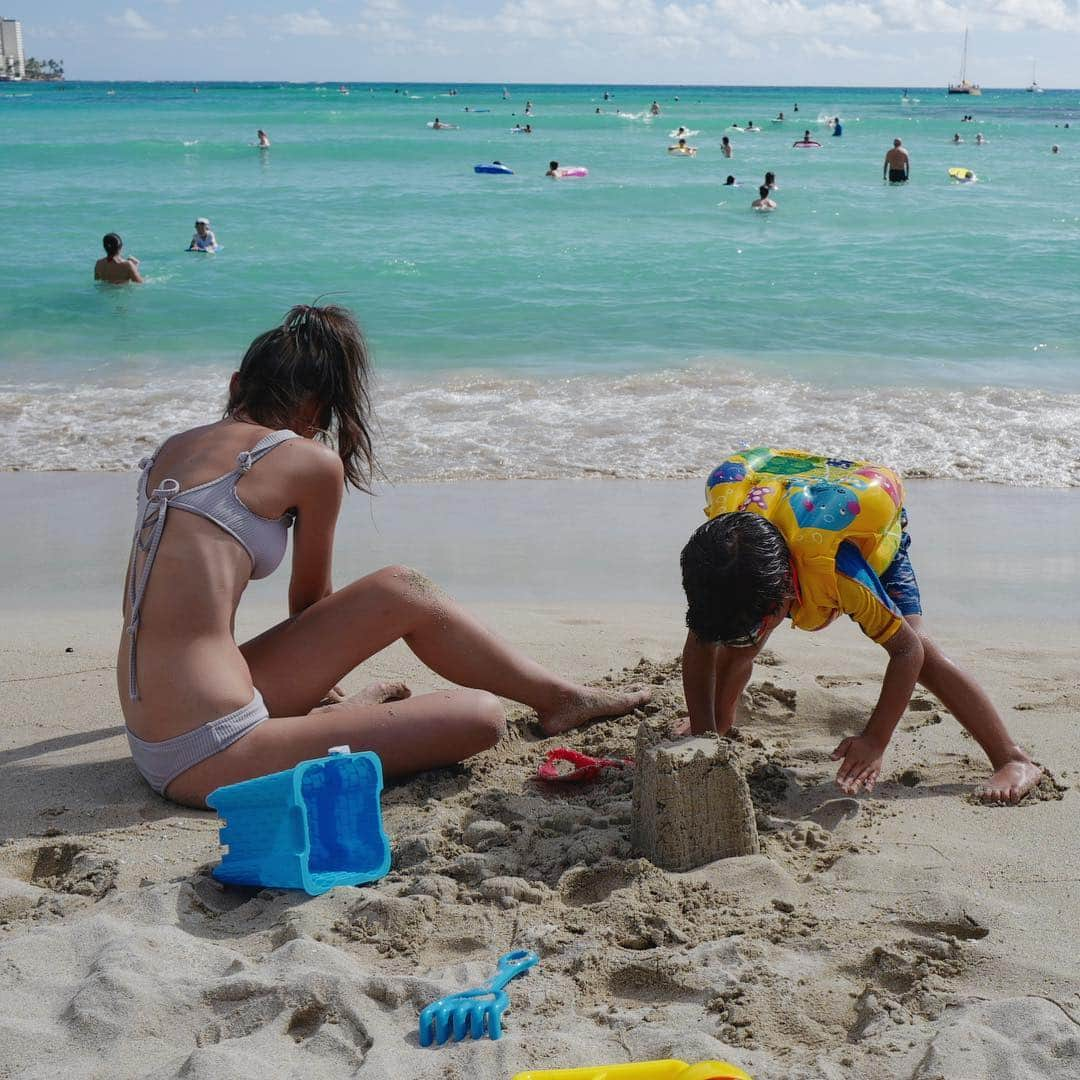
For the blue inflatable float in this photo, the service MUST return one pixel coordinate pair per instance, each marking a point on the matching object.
(496, 167)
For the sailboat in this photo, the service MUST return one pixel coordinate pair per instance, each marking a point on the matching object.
(963, 86)
(1034, 88)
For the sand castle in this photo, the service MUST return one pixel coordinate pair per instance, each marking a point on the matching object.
(691, 803)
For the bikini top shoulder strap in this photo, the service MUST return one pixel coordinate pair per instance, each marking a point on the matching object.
(246, 458)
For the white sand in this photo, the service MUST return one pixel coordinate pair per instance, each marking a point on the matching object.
(909, 934)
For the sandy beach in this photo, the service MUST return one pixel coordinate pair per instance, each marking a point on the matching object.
(912, 934)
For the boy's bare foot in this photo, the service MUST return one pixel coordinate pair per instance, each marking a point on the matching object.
(584, 703)
(1011, 782)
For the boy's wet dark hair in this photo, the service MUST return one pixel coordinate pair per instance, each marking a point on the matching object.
(763, 191)
(112, 244)
(736, 570)
(316, 354)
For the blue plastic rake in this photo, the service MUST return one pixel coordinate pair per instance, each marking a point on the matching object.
(477, 1012)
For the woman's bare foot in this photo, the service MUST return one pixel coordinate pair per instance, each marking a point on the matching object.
(1011, 782)
(377, 693)
(583, 703)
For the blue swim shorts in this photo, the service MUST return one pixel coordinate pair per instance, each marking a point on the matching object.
(899, 578)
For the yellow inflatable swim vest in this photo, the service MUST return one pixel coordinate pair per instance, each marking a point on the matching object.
(817, 503)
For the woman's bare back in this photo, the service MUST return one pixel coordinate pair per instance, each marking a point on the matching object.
(190, 669)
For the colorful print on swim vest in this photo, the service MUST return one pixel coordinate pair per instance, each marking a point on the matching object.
(876, 476)
(823, 505)
(730, 472)
(783, 465)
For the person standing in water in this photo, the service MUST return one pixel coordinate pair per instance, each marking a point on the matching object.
(264, 139)
(897, 167)
(726, 148)
(763, 201)
(114, 267)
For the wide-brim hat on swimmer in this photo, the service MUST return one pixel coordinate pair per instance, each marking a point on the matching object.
(202, 221)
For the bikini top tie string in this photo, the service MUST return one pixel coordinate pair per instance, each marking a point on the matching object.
(157, 509)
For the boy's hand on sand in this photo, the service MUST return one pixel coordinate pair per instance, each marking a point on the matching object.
(861, 766)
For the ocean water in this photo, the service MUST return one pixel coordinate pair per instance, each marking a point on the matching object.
(638, 322)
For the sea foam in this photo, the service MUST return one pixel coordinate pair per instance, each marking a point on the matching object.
(672, 423)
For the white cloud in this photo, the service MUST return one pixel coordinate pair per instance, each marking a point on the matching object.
(231, 28)
(310, 23)
(587, 20)
(135, 25)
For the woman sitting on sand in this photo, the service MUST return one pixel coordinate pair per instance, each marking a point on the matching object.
(201, 710)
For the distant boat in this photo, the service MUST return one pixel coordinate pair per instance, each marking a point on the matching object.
(963, 86)
(1034, 88)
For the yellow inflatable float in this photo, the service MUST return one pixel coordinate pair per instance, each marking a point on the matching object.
(817, 503)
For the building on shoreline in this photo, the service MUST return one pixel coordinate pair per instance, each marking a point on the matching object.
(12, 60)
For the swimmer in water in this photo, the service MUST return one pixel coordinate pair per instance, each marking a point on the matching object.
(554, 171)
(731, 181)
(763, 202)
(204, 239)
(264, 139)
(779, 116)
(750, 126)
(770, 181)
(1055, 149)
(726, 148)
(979, 140)
(681, 147)
(654, 109)
(115, 268)
(438, 125)
(956, 139)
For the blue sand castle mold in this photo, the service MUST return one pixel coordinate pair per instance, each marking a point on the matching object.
(311, 827)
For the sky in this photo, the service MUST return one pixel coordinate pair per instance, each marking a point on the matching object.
(901, 43)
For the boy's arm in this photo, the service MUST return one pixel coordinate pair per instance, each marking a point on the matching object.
(733, 670)
(699, 683)
(713, 679)
(863, 753)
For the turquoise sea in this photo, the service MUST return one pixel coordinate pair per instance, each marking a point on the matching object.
(634, 323)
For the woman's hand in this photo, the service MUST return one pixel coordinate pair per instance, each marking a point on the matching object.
(333, 696)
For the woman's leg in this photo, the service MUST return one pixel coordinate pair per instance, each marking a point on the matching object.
(1014, 772)
(422, 732)
(294, 663)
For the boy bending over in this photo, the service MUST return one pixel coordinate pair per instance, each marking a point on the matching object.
(810, 538)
